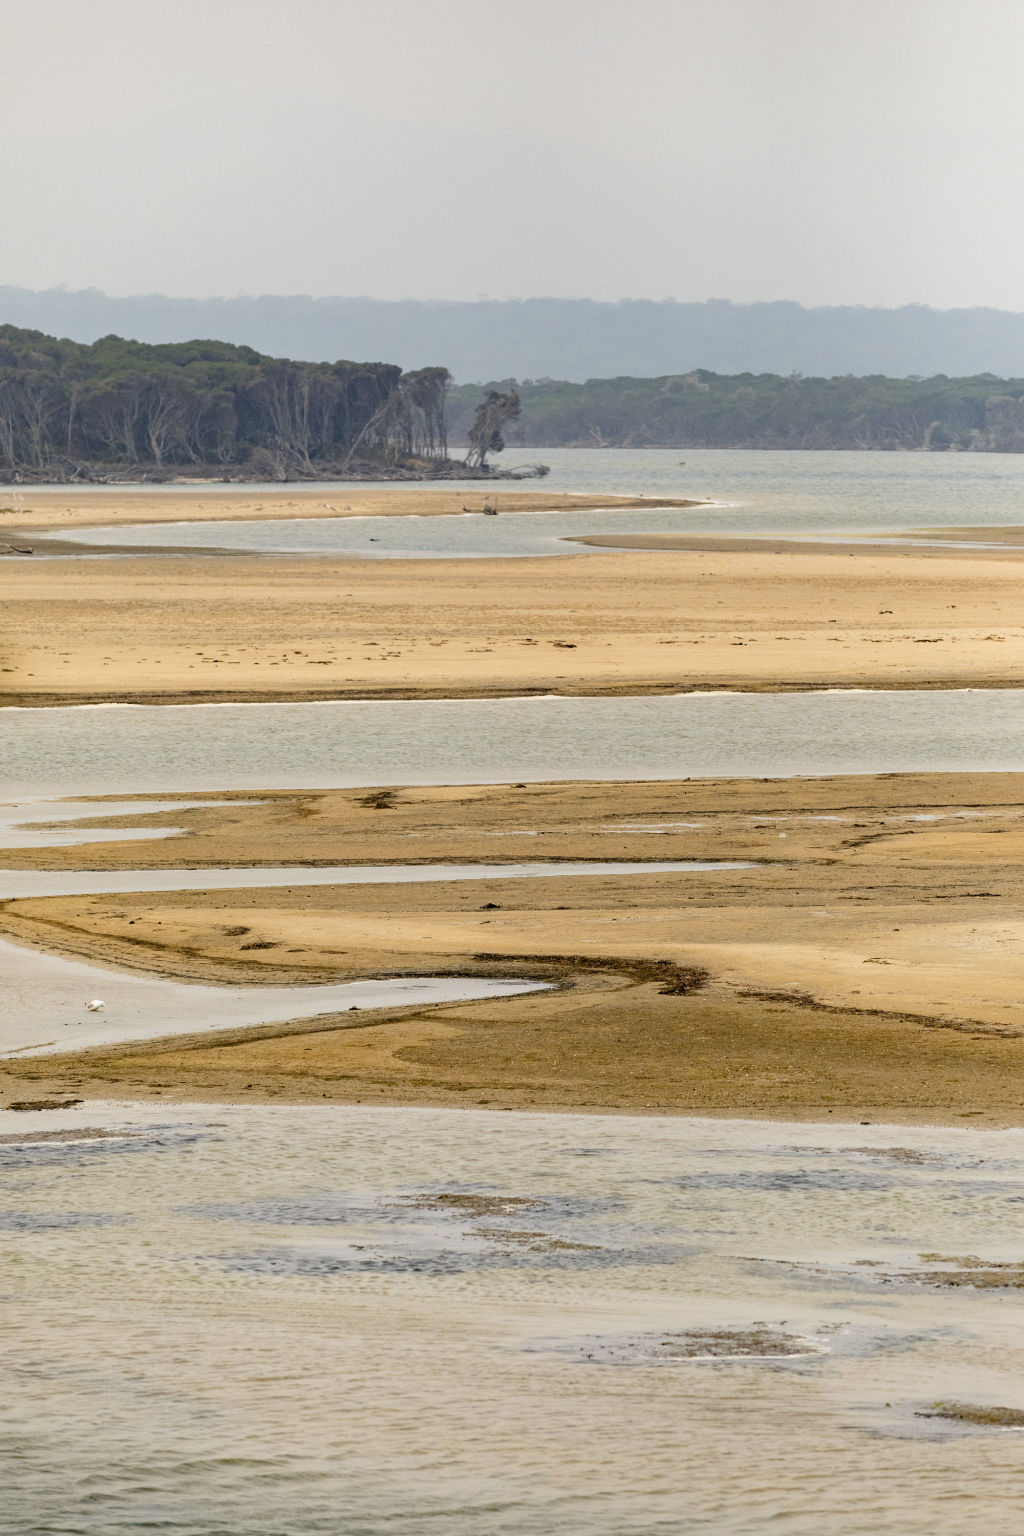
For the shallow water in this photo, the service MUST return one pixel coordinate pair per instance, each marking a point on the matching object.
(45, 996)
(261, 1320)
(779, 493)
(119, 749)
(18, 829)
(17, 884)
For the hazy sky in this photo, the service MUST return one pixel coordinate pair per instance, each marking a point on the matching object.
(830, 151)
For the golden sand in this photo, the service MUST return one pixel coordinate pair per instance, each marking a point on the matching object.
(870, 966)
(159, 630)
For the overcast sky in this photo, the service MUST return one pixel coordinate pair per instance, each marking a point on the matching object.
(829, 151)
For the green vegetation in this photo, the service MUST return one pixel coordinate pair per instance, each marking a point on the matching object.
(70, 411)
(767, 410)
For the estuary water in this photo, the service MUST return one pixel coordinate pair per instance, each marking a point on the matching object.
(20, 884)
(455, 1323)
(121, 749)
(809, 495)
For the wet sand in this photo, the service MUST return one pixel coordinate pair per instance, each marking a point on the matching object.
(957, 542)
(145, 629)
(870, 967)
(61, 509)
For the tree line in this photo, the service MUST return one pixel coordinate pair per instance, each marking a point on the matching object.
(70, 410)
(708, 410)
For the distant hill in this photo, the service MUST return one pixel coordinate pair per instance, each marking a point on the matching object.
(571, 339)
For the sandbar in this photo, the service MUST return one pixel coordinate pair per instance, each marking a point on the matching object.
(869, 967)
(62, 508)
(255, 628)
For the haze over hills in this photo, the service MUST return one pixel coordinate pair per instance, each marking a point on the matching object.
(571, 339)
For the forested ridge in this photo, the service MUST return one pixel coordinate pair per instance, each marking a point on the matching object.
(708, 410)
(575, 339)
(128, 409)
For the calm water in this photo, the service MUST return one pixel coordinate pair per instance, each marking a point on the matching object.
(113, 749)
(264, 1321)
(812, 494)
(44, 1002)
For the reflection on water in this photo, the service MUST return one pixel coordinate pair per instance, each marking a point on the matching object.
(267, 1320)
(112, 749)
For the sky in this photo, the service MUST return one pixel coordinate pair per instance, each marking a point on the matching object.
(826, 151)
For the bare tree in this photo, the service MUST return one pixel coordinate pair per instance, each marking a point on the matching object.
(169, 410)
(486, 435)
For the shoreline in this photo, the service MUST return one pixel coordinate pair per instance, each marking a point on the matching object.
(13, 700)
(955, 548)
(104, 1110)
(54, 1096)
(956, 544)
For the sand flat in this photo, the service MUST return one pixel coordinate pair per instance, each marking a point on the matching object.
(871, 965)
(146, 629)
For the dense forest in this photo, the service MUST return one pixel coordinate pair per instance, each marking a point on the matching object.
(555, 338)
(117, 409)
(709, 410)
(126, 409)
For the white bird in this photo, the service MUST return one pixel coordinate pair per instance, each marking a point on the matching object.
(95, 1005)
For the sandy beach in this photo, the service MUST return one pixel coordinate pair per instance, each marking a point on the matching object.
(869, 966)
(148, 629)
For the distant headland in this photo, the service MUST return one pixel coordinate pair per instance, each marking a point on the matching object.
(119, 411)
